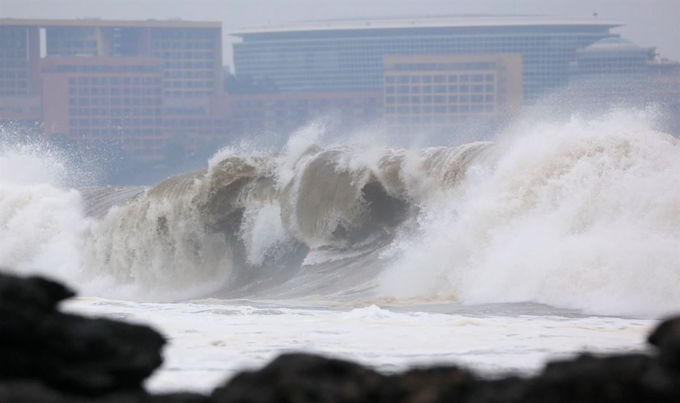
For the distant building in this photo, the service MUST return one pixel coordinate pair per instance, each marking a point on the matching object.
(663, 78)
(347, 56)
(103, 99)
(190, 53)
(102, 80)
(159, 89)
(441, 93)
(615, 71)
(611, 71)
(282, 113)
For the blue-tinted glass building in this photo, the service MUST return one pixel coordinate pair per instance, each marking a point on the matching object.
(340, 56)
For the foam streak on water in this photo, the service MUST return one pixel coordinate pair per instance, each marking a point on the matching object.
(209, 341)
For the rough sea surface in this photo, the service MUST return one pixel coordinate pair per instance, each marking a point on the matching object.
(554, 238)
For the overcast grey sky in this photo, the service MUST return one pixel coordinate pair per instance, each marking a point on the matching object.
(648, 22)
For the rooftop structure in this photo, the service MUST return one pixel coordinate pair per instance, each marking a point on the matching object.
(348, 55)
(428, 22)
(96, 22)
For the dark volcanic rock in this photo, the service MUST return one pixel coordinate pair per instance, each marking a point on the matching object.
(51, 357)
(36, 392)
(596, 379)
(32, 293)
(437, 384)
(304, 378)
(97, 355)
(68, 352)
(666, 337)
(33, 392)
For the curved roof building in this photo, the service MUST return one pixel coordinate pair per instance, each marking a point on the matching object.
(339, 56)
(612, 70)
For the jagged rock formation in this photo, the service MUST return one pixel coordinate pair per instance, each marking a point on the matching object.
(50, 357)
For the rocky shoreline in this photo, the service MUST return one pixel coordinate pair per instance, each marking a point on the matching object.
(48, 356)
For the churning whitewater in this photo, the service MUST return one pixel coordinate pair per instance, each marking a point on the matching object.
(583, 215)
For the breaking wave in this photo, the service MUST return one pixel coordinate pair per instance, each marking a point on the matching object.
(583, 214)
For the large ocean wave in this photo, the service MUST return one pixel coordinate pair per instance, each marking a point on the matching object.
(582, 214)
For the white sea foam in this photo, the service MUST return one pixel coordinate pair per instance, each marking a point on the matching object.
(209, 343)
(582, 215)
(41, 224)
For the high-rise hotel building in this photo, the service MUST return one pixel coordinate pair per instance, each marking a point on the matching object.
(345, 56)
(96, 80)
(523, 57)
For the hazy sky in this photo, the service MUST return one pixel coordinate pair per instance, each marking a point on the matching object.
(648, 22)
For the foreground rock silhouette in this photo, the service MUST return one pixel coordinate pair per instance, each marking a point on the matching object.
(48, 356)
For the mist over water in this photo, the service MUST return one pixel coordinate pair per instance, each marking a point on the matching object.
(581, 213)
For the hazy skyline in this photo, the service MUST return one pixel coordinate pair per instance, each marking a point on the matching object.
(647, 22)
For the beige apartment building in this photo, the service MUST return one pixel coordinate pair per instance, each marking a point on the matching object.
(435, 93)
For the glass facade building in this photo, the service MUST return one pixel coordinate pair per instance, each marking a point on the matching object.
(340, 56)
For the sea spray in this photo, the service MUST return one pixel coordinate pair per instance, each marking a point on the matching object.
(41, 221)
(583, 214)
(580, 215)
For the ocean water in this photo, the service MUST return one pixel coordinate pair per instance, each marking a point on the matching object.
(556, 237)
